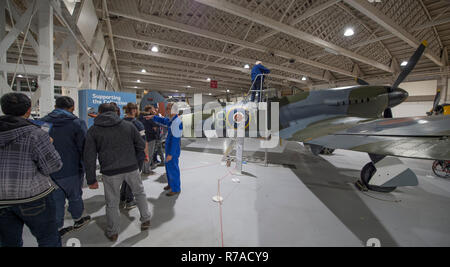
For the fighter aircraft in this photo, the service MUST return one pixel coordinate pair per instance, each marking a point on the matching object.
(351, 118)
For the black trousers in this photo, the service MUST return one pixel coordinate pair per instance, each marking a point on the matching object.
(125, 190)
(258, 86)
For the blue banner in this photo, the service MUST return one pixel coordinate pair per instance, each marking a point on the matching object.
(90, 100)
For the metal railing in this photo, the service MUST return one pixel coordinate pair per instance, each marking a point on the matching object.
(262, 95)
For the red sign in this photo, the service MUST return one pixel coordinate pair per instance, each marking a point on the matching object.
(213, 84)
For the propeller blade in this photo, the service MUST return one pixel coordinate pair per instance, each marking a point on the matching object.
(387, 114)
(437, 99)
(361, 81)
(410, 66)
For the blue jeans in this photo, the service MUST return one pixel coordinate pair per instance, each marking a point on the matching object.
(70, 188)
(39, 216)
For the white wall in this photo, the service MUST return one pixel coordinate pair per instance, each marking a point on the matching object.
(448, 92)
(412, 109)
(424, 88)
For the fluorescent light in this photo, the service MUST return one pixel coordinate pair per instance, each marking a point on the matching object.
(20, 76)
(349, 32)
(135, 87)
(404, 63)
(155, 49)
(210, 94)
(304, 78)
(209, 79)
(188, 86)
(228, 90)
(138, 81)
(143, 71)
(247, 66)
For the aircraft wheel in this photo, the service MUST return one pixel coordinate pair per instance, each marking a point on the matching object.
(441, 168)
(327, 151)
(367, 173)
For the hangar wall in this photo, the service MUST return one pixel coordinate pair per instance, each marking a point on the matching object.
(423, 92)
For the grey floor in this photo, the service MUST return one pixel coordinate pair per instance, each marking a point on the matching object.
(299, 200)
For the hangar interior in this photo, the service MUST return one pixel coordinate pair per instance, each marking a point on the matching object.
(285, 196)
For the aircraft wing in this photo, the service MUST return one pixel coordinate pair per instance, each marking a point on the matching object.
(413, 137)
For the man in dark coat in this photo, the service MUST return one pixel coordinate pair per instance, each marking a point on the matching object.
(258, 72)
(69, 134)
(117, 143)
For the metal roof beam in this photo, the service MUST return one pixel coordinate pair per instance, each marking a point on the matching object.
(129, 10)
(111, 41)
(390, 25)
(146, 39)
(289, 30)
(175, 76)
(127, 47)
(306, 15)
(207, 73)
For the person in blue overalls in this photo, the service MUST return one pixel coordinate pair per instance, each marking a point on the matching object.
(173, 148)
(258, 80)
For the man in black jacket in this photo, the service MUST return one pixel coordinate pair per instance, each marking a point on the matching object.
(69, 135)
(117, 144)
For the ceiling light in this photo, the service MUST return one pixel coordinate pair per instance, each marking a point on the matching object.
(304, 78)
(228, 90)
(247, 66)
(209, 79)
(20, 76)
(349, 32)
(143, 71)
(404, 63)
(188, 86)
(138, 81)
(210, 94)
(155, 49)
(135, 87)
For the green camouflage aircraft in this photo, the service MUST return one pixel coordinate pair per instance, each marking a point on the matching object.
(359, 118)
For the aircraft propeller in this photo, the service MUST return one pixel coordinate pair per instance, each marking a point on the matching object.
(436, 101)
(402, 76)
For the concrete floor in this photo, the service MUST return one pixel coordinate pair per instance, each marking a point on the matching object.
(299, 200)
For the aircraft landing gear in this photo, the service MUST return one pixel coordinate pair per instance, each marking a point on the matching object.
(385, 174)
(367, 172)
(441, 168)
(326, 151)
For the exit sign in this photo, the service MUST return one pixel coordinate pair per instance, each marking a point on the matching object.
(213, 84)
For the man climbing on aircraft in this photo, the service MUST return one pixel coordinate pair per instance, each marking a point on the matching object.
(258, 80)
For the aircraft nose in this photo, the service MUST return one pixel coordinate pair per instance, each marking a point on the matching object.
(397, 97)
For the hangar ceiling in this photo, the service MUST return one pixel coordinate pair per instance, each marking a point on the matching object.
(301, 41)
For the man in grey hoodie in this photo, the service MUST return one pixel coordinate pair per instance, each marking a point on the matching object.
(27, 158)
(117, 143)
